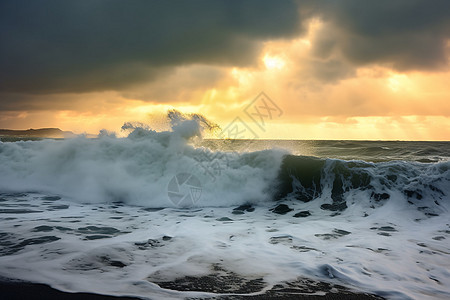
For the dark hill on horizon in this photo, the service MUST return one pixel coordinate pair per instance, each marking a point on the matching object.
(39, 133)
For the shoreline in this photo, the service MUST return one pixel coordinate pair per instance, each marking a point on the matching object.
(19, 290)
(308, 290)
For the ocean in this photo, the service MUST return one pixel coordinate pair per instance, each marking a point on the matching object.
(167, 215)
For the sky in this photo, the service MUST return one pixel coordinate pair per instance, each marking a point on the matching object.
(336, 69)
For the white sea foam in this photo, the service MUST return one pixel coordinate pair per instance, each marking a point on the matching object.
(77, 214)
(137, 169)
(123, 250)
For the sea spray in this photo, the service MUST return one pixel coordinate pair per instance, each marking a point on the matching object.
(370, 216)
(137, 169)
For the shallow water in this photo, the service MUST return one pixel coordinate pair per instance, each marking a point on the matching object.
(121, 250)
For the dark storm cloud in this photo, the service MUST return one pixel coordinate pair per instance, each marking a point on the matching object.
(78, 46)
(330, 70)
(405, 34)
(75, 46)
(31, 102)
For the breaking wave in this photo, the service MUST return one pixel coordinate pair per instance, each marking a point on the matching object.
(137, 170)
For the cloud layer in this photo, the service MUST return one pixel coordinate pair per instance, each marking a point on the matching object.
(407, 35)
(76, 46)
(101, 62)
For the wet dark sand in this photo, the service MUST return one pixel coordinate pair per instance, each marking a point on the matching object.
(34, 291)
(301, 289)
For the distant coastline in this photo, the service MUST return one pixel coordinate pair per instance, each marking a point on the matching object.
(37, 133)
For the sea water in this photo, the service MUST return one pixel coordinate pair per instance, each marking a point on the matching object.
(127, 216)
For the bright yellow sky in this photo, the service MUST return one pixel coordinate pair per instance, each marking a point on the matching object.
(372, 102)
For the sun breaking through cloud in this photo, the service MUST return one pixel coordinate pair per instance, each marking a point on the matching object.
(338, 69)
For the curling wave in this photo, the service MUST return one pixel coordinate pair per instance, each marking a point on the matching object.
(137, 170)
(339, 183)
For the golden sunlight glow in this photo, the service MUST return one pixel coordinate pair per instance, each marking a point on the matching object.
(273, 62)
(243, 76)
(376, 102)
(397, 82)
